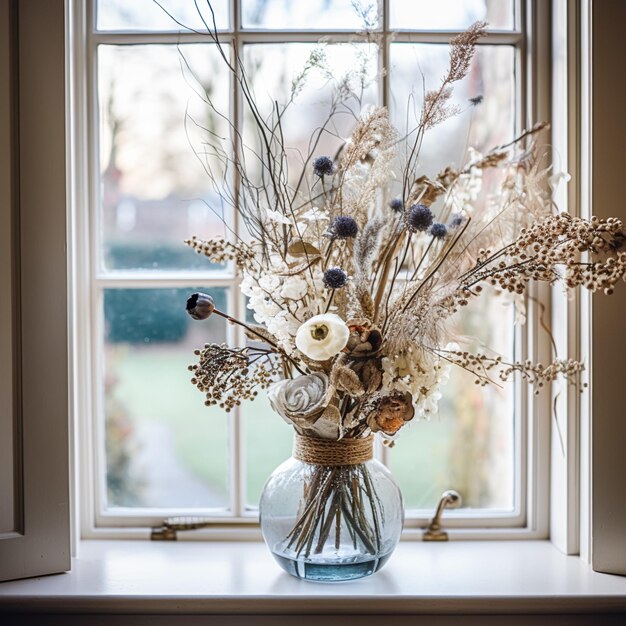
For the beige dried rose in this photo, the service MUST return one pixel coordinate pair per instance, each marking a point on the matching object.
(307, 403)
(390, 413)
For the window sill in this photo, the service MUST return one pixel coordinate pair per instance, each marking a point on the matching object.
(238, 578)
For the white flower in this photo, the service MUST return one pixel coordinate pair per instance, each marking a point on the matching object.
(294, 288)
(269, 282)
(322, 337)
(277, 216)
(315, 214)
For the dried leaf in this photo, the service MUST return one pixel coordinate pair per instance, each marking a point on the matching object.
(345, 379)
(367, 304)
(371, 375)
(299, 267)
(260, 334)
(301, 248)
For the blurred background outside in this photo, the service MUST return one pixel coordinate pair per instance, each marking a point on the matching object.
(164, 448)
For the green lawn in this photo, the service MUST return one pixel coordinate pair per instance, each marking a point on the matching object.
(154, 384)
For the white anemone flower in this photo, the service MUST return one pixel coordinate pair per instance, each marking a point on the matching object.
(322, 337)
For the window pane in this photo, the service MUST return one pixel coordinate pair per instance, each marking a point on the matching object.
(164, 448)
(336, 14)
(148, 15)
(155, 191)
(268, 444)
(490, 123)
(450, 14)
(273, 67)
(469, 446)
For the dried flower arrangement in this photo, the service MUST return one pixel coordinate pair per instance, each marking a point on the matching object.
(353, 283)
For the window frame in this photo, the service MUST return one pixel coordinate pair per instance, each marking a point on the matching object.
(531, 36)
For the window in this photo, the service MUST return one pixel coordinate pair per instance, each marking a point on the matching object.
(151, 448)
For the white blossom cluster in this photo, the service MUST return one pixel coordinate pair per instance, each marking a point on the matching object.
(422, 377)
(283, 302)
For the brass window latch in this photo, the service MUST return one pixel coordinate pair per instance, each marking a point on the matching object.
(449, 500)
(167, 531)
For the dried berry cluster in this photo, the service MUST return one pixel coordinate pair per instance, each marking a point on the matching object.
(552, 249)
(229, 375)
(535, 374)
(538, 375)
(219, 250)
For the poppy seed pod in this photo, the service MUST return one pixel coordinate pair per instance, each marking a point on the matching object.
(200, 306)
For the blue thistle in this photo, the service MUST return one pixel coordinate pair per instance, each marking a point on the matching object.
(335, 278)
(456, 221)
(396, 205)
(438, 231)
(344, 227)
(418, 218)
(323, 166)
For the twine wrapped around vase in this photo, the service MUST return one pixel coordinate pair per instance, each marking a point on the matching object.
(333, 453)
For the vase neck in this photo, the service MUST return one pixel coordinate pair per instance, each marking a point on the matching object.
(333, 453)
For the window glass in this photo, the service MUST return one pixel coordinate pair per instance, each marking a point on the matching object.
(164, 448)
(285, 14)
(268, 443)
(469, 446)
(147, 15)
(273, 68)
(450, 14)
(419, 67)
(154, 126)
(160, 105)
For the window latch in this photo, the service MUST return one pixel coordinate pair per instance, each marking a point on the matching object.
(449, 500)
(167, 531)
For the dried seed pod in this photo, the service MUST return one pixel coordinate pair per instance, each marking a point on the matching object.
(200, 306)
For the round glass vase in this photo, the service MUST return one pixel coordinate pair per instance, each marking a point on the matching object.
(331, 512)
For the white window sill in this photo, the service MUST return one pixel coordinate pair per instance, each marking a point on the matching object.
(241, 577)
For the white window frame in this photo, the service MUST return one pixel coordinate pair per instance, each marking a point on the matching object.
(532, 447)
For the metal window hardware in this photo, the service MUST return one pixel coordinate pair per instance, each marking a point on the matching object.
(167, 531)
(449, 499)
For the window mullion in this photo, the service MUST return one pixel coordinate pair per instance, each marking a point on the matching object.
(505, 38)
(158, 279)
(96, 291)
(236, 424)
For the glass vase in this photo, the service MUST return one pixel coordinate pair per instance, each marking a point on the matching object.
(331, 522)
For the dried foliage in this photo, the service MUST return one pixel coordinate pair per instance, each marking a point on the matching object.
(354, 286)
